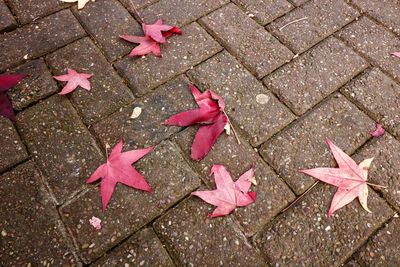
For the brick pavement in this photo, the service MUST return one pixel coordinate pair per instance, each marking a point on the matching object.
(292, 73)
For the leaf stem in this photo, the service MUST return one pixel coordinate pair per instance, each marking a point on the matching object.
(376, 185)
(233, 129)
(136, 12)
(290, 23)
(300, 197)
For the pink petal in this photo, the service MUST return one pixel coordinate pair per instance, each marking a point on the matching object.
(95, 222)
(396, 54)
(379, 131)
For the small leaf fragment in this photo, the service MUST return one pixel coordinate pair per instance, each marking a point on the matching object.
(95, 222)
(379, 131)
(136, 112)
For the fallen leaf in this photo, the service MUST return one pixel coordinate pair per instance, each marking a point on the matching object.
(74, 79)
(81, 3)
(379, 131)
(210, 116)
(118, 169)
(95, 222)
(159, 31)
(146, 45)
(350, 178)
(228, 194)
(396, 54)
(136, 112)
(7, 81)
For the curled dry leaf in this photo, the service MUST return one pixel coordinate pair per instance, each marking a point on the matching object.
(136, 112)
(229, 194)
(379, 131)
(7, 81)
(95, 222)
(74, 79)
(81, 3)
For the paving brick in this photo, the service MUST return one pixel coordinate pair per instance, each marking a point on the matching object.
(314, 75)
(382, 104)
(264, 11)
(249, 42)
(305, 236)
(105, 21)
(29, 10)
(30, 234)
(167, 173)
(324, 17)
(302, 145)
(13, 150)
(7, 21)
(180, 12)
(108, 92)
(298, 2)
(196, 240)
(147, 129)
(385, 11)
(252, 106)
(61, 145)
(179, 54)
(37, 39)
(39, 84)
(352, 263)
(374, 42)
(139, 4)
(272, 194)
(385, 168)
(142, 249)
(383, 249)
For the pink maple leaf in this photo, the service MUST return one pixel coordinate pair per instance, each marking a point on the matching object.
(159, 31)
(118, 169)
(229, 194)
(7, 81)
(379, 131)
(146, 45)
(350, 178)
(396, 54)
(209, 115)
(74, 79)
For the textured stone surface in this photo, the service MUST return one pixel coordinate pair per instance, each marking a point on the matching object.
(29, 10)
(302, 145)
(257, 112)
(179, 54)
(385, 169)
(39, 84)
(30, 232)
(147, 129)
(196, 240)
(298, 2)
(108, 92)
(381, 104)
(304, 235)
(272, 194)
(37, 39)
(383, 249)
(245, 39)
(142, 249)
(7, 21)
(180, 12)
(375, 42)
(385, 11)
(314, 75)
(60, 144)
(324, 17)
(129, 209)
(105, 21)
(264, 11)
(13, 150)
(139, 4)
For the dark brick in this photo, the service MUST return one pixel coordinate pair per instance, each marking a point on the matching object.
(7, 21)
(272, 194)
(379, 96)
(314, 75)
(302, 145)
(142, 249)
(167, 173)
(61, 145)
(179, 54)
(383, 248)
(105, 21)
(13, 150)
(29, 10)
(30, 228)
(264, 11)
(304, 236)
(37, 39)
(385, 168)
(298, 2)
(39, 84)
(180, 12)
(324, 17)
(248, 41)
(147, 129)
(138, 4)
(352, 263)
(254, 108)
(108, 92)
(375, 42)
(385, 11)
(196, 240)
